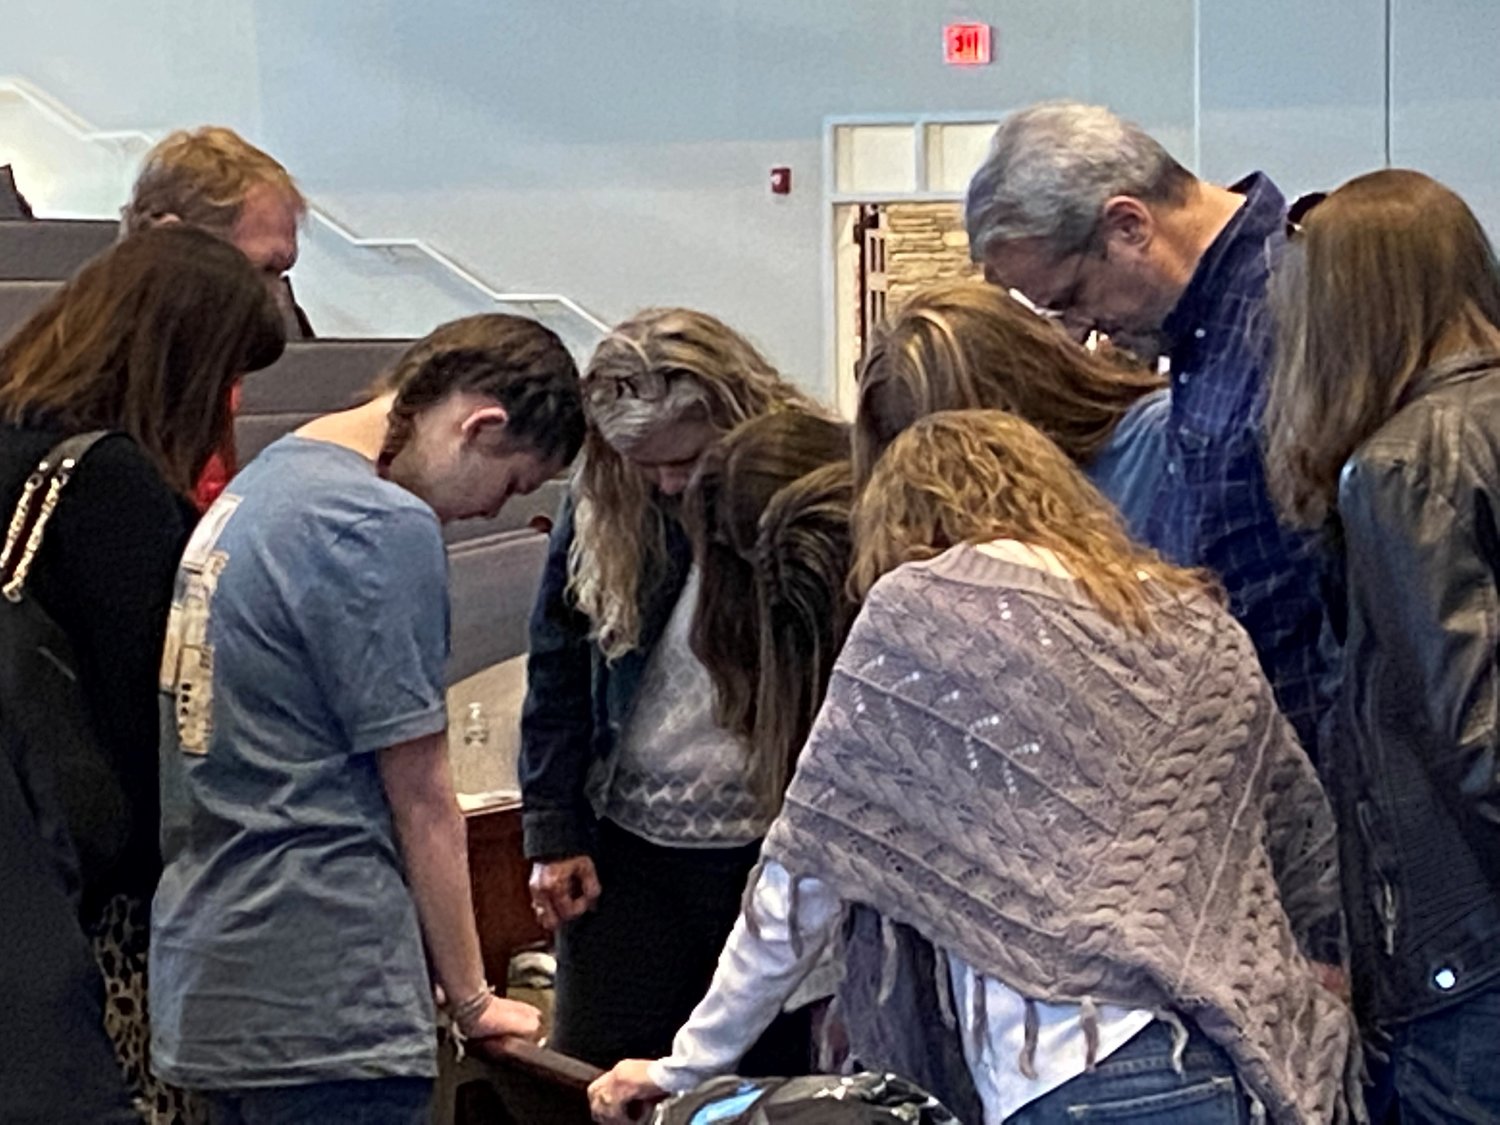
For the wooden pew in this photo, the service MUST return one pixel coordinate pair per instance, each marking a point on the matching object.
(51, 249)
(512, 1083)
(19, 299)
(499, 872)
(507, 1082)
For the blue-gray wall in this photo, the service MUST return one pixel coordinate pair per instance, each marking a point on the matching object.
(618, 152)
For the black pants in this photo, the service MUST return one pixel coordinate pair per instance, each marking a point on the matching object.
(630, 972)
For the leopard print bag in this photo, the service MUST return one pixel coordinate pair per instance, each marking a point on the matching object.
(120, 940)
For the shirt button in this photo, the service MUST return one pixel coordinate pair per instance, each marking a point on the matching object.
(1199, 333)
(1172, 468)
(1185, 378)
(1445, 979)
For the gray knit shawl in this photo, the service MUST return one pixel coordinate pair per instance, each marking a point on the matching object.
(1083, 813)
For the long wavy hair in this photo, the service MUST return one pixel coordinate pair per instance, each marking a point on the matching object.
(967, 345)
(768, 515)
(149, 339)
(805, 550)
(1387, 276)
(659, 368)
(975, 476)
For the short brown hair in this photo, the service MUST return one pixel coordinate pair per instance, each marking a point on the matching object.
(975, 476)
(967, 345)
(1389, 274)
(149, 339)
(518, 362)
(203, 177)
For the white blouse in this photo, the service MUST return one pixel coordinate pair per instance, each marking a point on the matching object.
(759, 970)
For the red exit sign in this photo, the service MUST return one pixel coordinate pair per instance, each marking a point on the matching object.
(966, 44)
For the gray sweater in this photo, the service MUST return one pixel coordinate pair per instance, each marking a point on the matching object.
(1087, 814)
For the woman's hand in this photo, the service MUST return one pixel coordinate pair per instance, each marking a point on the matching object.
(622, 1096)
(563, 889)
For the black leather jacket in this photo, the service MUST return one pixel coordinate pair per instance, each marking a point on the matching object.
(1413, 762)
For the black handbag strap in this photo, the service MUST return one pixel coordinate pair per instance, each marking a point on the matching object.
(39, 497)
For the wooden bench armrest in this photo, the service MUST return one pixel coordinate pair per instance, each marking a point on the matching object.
(558, 1069)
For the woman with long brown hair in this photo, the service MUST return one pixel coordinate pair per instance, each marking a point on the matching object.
(1384, 428)
(967, 345)
(768, 516)
(640, 817)
(1053, 757)
(145, 343)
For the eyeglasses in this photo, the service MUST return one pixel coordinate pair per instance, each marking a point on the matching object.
(650, 385)
(1090, 342)
(1061, 308)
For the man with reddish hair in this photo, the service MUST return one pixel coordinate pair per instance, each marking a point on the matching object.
(214, 179)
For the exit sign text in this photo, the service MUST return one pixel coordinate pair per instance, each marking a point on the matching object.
(966, 44)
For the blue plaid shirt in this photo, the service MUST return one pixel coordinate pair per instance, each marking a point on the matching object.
(1213, 509)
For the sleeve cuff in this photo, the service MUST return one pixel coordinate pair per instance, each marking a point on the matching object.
(673, 1079)
(549, 834)
(382, 735)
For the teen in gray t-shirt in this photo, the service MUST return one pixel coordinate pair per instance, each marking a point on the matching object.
(310, 832)
(311, 629)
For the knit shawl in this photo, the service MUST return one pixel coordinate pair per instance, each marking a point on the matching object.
(1083, 813)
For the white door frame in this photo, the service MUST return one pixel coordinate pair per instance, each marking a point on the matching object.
(834, 198)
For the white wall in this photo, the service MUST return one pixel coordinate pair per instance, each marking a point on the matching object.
(1293, 88)
(1318, 92)
(618, 152)
(1445, 88)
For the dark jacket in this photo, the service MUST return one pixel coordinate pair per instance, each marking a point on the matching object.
(105, 574)
(56, 1063)
(576, 700)
(1414, 762)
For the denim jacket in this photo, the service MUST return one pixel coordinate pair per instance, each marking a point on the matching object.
(577, 701)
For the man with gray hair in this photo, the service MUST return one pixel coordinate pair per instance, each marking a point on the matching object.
(1101, 228)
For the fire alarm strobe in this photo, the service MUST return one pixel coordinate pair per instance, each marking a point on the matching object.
(781, 181)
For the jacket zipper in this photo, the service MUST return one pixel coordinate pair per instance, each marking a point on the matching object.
(1386, 906)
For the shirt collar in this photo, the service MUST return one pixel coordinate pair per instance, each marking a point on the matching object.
(1256, 230)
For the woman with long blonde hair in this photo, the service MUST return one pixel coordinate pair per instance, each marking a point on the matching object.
(641, 816)
(1384, 427)
(1054, 759)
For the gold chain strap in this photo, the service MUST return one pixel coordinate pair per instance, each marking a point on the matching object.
(12, 589)
(22, 514)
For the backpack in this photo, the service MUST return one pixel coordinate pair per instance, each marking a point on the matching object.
(822, 1099)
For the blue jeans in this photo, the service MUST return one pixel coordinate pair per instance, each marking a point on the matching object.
(1138, 1083)
(372, 1101)
(1442, 1069)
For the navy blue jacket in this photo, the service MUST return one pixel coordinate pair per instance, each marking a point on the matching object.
(576, 700)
